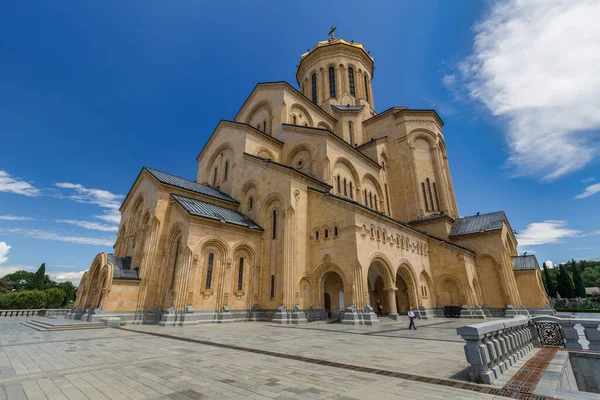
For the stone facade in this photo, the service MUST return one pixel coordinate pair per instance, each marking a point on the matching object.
(306, 200)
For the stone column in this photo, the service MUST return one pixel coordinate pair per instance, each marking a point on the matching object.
(371, 100)
(592, 334)
(323, 90)
(338, 82)
(571, 335)
(391, 293)
(183, 280)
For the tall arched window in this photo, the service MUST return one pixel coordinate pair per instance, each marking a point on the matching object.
(430, 195)
(345, 188)
(424, 196)
(274, 224)
(317, 235)
(375, 200)
(437, 200)
(326, 233)
(371, 199)
(265, 126)
(175, 262)
(351, 191)
(272, 286)
(335, 231)
(366, 87)
(351, 81)
(209, 270)
(250, 203)
(332, 82)
(314, 88)
(240, 274)
(294, 120)
(365, 195)
(387, 198)
(226, 172)
(215, 177)
(339, 184)
(351, 130)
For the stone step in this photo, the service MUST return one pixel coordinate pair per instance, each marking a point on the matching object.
(43, 326)
(49, 322)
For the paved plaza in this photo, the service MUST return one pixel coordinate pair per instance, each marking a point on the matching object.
(235, 361)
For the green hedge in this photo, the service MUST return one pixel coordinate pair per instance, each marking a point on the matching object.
(32, 299)
(581, 310)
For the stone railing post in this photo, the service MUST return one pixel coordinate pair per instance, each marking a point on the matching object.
(571, 335)
(592, 334)
(493, 347)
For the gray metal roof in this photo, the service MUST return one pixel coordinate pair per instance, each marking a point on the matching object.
(524, 262)
(347, 108)
(123, 268)
(206, 210)
(182, 183)
(478, 223)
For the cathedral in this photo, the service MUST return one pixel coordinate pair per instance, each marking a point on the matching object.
(309, 202)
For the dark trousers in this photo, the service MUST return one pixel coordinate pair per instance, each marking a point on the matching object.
(412, 324)
(379, 311)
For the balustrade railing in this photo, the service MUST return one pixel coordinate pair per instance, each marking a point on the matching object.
(33, 312)
(492, 347)
(547, 326)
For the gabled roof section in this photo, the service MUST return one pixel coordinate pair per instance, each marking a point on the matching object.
(478, 223)
(202, 209)
(347, 108)
(524, 263)
(122, 268)
(309, 102)
(182, 183)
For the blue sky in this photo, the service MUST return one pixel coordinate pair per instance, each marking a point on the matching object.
(92, 91)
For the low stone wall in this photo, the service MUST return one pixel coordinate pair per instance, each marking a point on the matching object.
(492, 347)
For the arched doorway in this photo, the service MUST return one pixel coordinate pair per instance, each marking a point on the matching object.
(402, 294)
(381, 288)
(333, 289)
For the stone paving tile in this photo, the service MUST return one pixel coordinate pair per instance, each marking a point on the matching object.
(117, 364)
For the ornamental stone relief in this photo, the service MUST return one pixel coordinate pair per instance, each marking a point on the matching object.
(398, 240)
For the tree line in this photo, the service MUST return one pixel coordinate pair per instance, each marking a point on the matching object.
(31, 290)
(570, 279)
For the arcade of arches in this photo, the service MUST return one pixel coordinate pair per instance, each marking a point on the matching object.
(309, 199)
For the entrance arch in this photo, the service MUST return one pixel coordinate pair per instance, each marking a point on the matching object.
(406, 285)
(381, 286)
(333, 286)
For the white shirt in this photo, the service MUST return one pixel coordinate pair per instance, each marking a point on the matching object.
(411, 314)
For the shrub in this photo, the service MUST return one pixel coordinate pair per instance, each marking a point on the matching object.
(56, 297)
(26, 299)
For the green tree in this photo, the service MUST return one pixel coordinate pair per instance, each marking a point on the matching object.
(564, 284)
(5, 285)
(56, 297)
(69, 290)
(550, 286)
(590, 276)
(21, 280)
(40, 277)
(26, 299)
(577, 280)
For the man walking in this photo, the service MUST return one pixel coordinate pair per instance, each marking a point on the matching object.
(411, 316)
(379, 308)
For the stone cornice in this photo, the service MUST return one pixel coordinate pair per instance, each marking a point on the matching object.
(419, 113)
(240, 126)
(334, 49)
(302, 98)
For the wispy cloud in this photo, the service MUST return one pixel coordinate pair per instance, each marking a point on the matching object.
(90, 225)
(580, 248)
(588, 180)
(11, 184)
(4, 249)
(9, 269)
(110, 202)
(534, 64)
(49, 235)
(14, 218)
(59, 276)
(593, 233)
(589, 191)
(545, 232)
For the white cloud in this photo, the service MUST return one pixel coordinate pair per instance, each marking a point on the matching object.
(102, 198)
(581, 248)
(60, 276)
(548, 264)
(10, 184)
(589, 191)
(545, 232)
(9, 269)
(90, 225)
(449, 80)
(593, 233)
(4, 249)
(588, 180)
(534, 63)
(48, 235)
(14, 218)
